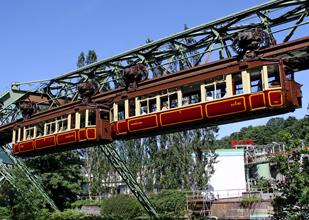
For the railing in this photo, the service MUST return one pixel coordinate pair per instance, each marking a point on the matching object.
(92, 198)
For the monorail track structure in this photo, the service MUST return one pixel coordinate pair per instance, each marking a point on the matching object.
(179, 53)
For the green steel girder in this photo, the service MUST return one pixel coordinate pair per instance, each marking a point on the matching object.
(300, 20)
(22, 167)
(7, 176)
(114, 158)
(2, 181)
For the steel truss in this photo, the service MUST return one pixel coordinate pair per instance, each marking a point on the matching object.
(11, 178)
(114, 158)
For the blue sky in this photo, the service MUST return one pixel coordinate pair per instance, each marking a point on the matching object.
(42, 39)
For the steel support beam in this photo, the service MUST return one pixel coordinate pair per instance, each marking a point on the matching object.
(114, 158)
(22, 167)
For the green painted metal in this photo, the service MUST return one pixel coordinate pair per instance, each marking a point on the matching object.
(9, 111)
(2, 181)
(263, 171)
(114, 158)
(5, 172)
(4, 158)
(23, 168)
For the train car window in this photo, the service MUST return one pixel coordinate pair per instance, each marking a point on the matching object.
(82, 121)
(168, 98)
(221, 90)
(173, 100)
(121, 111)
(237, 84)
(210, 92)
(191, 93)
(50, 126)
(65, 123)
(143, 104)
(47, 129)
(40, 129)
(152, 102)
(91, 117)
(104, 115)
(62, 123)
(273, 76)
(215, 88)
(132, 111)
(164, 103)
(152, 105)
(29, 132)
(147, 103)
(289, 73)
(72, 125)
(256, 81)
(21, 137)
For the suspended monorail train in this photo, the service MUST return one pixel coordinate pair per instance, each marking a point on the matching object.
(197, 97)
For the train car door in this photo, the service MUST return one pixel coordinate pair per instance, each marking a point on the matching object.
(103, 124)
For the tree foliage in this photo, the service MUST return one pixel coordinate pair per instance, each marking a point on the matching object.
(122, 205)
(91, 57)
(273, 131)
(170, 202)
(293, 203)
(22, 201)
(60, 175)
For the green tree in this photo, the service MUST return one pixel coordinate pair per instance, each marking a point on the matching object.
(274, 130)
(24, 203)
(90, 58)
(294, 165)
(60, 175)
(202, 144)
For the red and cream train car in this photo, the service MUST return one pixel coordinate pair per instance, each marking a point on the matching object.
(192, 99)
(63, 129)
(197, 97)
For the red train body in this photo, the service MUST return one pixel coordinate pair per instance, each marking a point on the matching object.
(193, 98)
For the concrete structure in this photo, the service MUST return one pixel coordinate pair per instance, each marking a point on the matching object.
(229, 178)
